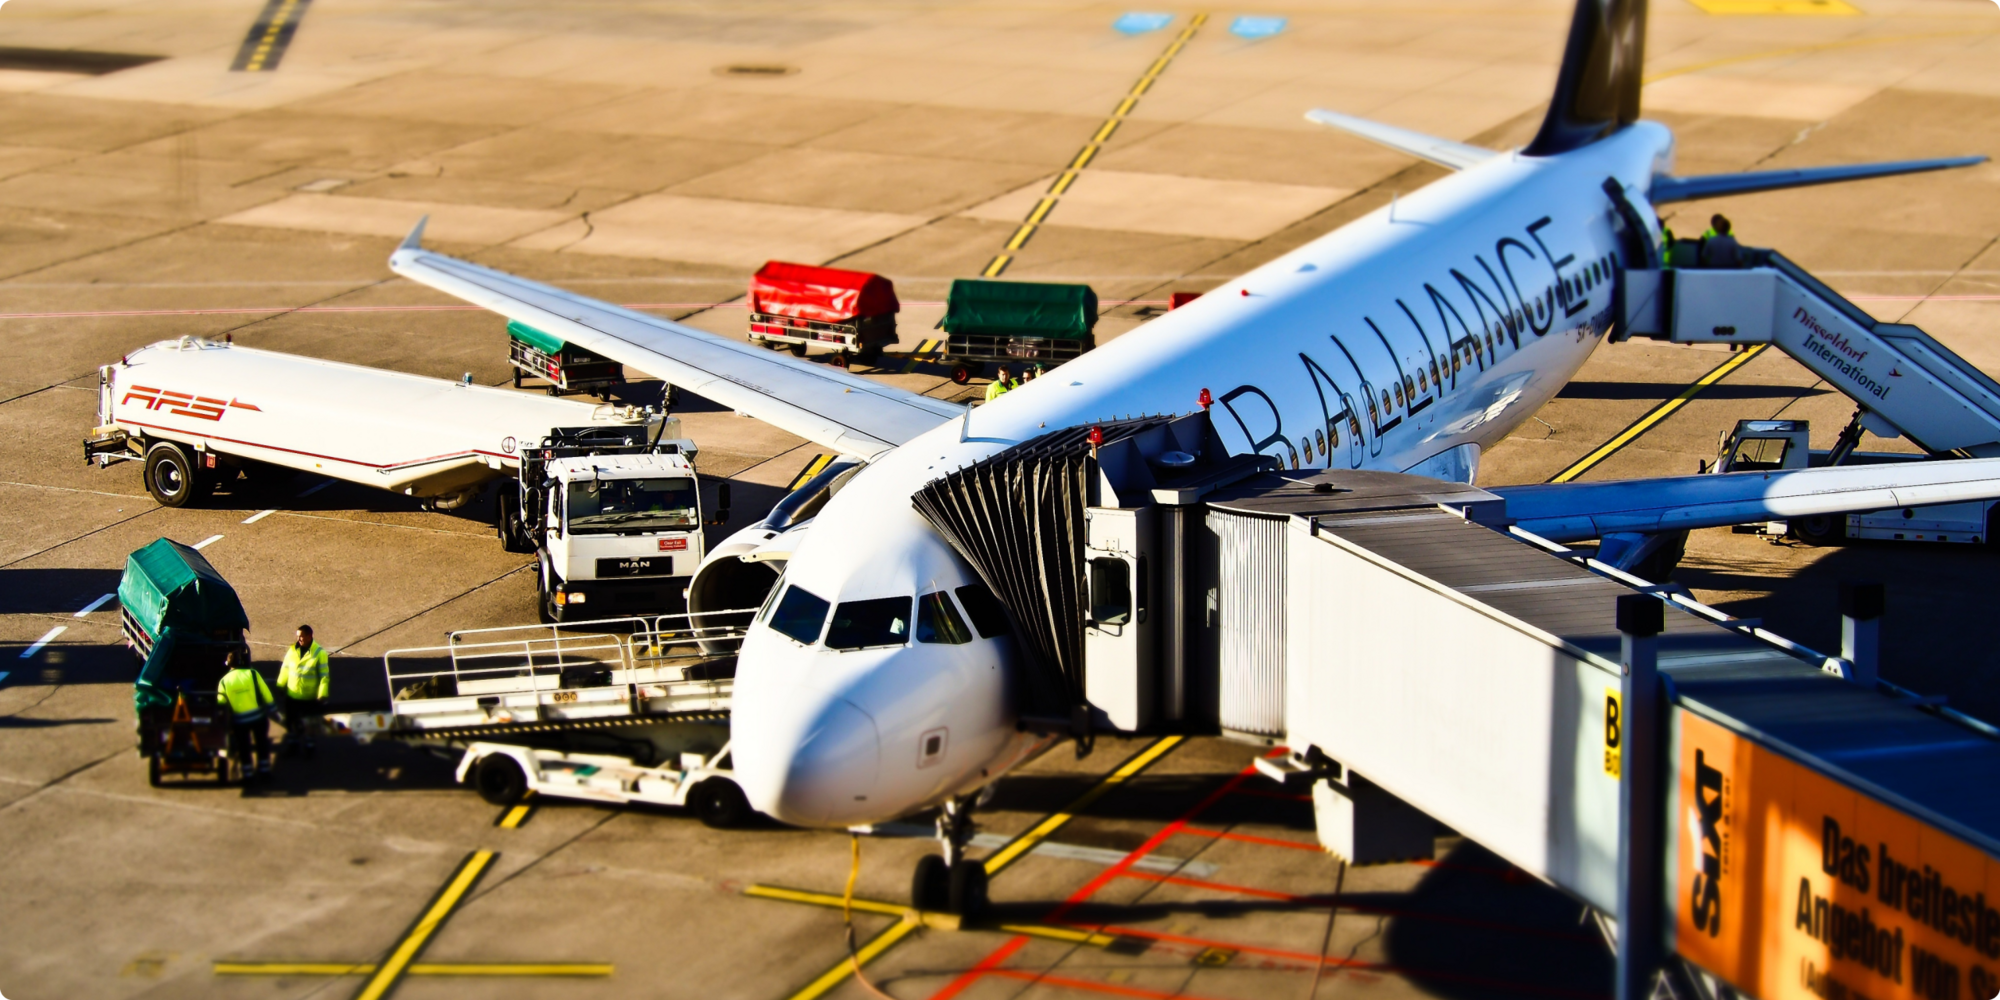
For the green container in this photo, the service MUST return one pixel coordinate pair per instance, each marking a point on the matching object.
(529, 335)
(1020, 309)
(168, 585)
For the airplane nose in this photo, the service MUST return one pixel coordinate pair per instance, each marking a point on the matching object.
(821, 773)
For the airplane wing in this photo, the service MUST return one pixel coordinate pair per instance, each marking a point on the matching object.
(1572, 512)
(1443, 152)
(846, 413)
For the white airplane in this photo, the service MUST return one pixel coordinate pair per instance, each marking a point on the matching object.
(878, 680)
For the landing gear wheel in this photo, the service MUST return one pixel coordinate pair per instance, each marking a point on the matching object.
(798, 350)
(720, 804)
(153, 771)
(968, 888)
(499, 779)
(961, 374)
(839, 360)
(930, 887)
(1820, 529)
(173, 477)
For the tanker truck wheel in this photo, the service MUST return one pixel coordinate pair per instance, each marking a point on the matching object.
(172, 476)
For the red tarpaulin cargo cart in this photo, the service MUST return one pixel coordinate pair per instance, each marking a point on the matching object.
(794, 305)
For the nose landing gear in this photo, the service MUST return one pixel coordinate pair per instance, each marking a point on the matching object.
(951, 882)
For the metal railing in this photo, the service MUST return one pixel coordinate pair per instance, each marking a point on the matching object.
(535, 658)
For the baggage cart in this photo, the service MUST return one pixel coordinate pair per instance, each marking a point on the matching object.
(794, 305)
(182, 620)
(567, 368)
(1016, 321)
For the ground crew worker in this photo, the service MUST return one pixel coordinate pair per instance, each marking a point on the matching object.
(249, 701)
(303, 678)
(1718, 247)
(1666, 244)
(1002, 381)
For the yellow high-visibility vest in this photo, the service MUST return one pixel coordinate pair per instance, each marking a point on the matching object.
(304, 675)
(245, 692)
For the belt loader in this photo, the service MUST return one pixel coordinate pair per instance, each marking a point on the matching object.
(632, 711)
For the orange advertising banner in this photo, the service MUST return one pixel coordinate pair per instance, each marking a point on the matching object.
(1791, 885)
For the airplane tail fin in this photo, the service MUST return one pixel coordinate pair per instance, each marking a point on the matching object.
(1597, 91)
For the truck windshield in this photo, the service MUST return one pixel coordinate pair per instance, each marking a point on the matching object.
(606, 506)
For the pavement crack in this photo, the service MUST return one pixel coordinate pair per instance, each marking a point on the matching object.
(65, 776)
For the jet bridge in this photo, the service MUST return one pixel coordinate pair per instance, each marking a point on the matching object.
(1429, 663)
(1905, 382)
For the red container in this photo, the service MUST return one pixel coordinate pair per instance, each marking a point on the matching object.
(821, 294)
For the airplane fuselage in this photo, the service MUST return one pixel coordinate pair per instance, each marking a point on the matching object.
(1408, 340)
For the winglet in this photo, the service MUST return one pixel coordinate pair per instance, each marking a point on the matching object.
(414, 241)
(1443, 152)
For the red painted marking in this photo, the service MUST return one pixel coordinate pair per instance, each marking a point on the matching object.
(1240, 890)
(1065, 982)
(1263, 794)
(1246, 838)
(308, 454)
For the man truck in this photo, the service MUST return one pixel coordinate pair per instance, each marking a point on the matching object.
(606, 496)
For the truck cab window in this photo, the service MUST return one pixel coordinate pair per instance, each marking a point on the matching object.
(800, 615)
(884, 621)
(1110, 591)
(610, 506)
(938, 621)
(988, 615)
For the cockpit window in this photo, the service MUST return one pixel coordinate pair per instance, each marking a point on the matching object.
(938, 620)
(884, 621)
(800, 615)
(985, 610)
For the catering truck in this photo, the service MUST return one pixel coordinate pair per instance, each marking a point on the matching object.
(608, 500)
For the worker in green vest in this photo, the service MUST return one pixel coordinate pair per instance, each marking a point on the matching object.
(303, 678)
(1003, 380)
(249, 700)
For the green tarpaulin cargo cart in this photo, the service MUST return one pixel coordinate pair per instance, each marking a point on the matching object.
(183, 620)
(567, 368)
(1016, 321)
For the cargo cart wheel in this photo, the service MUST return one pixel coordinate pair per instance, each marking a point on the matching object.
(968, 887)
(1820, 529)
(961, 374)
(839, 360)
(720, 804)
(798, 350)
(172, 476)
(153, 771)
(499, 779)
(930, 886)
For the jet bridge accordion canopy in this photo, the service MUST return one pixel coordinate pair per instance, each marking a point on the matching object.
(820, 294)
(1018, 518)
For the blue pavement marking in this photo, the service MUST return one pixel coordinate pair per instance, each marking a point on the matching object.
(1138, 22)
(1256, 27)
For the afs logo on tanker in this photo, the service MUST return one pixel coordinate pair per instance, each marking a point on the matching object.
(183, 404)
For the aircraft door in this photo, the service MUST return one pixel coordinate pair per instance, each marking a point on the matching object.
(1120, 667)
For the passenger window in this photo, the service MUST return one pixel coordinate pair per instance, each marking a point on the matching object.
(1110, 591)
(988, 615)
(800, 614)
(884, 621)
(938, 621)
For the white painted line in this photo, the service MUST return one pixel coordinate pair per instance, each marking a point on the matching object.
(323, 485)
(206, 542)
(43, 641)
(259, 516)
(94, 605)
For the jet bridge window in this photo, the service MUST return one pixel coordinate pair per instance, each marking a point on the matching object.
(988, 615)
(800, 615)
(605, 506)
(938, 621)
(884, 621)
(1110, 591)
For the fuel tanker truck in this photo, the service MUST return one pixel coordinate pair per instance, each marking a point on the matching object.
(606, 496)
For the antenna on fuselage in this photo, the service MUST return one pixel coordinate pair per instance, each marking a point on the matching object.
(965, 424)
